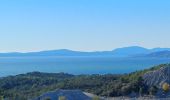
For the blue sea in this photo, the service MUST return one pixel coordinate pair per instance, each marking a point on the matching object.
(75, 65)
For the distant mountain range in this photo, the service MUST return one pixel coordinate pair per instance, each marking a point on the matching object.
(133, 51)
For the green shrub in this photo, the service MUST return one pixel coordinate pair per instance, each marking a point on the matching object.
(62, 98)
(96, 98)
(47, 98)
(165, 87)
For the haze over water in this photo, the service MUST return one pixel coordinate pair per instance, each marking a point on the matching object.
(76, 65)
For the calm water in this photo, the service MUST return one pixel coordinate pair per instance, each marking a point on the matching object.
(75, 65)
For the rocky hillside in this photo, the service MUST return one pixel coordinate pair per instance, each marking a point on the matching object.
(158, 77)
(67, 94)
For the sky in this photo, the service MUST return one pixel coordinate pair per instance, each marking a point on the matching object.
(83, 25)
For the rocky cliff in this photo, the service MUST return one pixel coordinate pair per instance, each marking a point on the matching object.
(157, 77)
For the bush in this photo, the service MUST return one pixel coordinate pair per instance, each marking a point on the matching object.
(1, 98)
(62, 98)
(165, 87)
(153, 90)
(96, 98)
(47, 98)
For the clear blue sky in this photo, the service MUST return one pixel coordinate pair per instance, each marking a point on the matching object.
(87, 25)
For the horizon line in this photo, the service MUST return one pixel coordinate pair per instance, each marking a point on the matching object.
(80, 50)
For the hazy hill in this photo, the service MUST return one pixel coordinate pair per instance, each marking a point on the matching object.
(160, 49)
(130, 51)
(160, 54)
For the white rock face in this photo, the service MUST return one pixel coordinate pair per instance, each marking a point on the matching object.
(68, 94)
(158, 77)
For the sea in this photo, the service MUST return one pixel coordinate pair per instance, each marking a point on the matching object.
(76, 65)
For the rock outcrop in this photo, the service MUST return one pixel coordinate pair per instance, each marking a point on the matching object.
(68, 94)
(157, 77)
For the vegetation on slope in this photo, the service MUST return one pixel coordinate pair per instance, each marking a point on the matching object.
(31, 85)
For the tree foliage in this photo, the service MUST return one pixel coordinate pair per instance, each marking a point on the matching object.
(30, 85)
